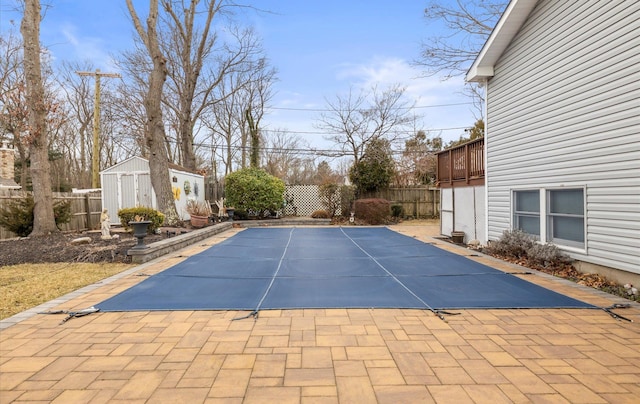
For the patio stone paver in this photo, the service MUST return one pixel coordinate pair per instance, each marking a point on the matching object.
(323, 356)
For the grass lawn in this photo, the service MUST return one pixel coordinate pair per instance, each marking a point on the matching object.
(25, 286)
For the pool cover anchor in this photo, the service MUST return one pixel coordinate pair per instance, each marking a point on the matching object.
(72, 314)
(615, 315)
(253, 314)
(442, 313)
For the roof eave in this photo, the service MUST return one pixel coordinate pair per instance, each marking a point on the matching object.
(512, 19)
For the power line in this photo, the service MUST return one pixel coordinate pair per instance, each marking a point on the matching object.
(398, 108)
(305, 151)
(342, 133)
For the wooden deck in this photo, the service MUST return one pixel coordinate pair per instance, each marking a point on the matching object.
(462, 165)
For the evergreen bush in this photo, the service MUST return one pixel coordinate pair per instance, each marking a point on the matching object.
(127, 215)
(255, 191)
(17, 216)
(397, 211)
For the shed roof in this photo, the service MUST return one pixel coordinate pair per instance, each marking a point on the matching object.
(512, 19)
(172, 166)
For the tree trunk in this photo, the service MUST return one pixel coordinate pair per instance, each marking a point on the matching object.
(155, 134)
(186, 135)
(43, 218)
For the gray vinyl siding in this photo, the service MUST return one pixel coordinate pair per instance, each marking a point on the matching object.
(131, 165)
(563, 110)
(110, 187)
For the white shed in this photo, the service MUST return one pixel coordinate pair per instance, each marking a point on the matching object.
(128, 184)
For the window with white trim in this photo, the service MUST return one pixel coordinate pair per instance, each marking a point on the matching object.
(565, 217)
(526, 211)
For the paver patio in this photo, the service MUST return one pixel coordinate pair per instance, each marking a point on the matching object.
(322, 355)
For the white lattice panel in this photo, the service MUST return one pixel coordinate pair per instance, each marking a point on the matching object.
(302, 200)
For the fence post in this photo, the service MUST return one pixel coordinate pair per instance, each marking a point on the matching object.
(435, 202)
(87, 208)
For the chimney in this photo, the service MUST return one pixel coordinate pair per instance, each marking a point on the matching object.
(7, 158)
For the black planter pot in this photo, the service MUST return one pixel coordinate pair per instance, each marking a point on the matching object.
(230, 212)
(140, 232)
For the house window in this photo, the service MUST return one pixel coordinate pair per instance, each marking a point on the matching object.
(526, 216)
(565, 217)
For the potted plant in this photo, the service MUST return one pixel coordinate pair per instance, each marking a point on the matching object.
(199, 212)
(230, 212)
(140, 231)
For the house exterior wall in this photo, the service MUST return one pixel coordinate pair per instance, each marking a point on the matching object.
(563, 111)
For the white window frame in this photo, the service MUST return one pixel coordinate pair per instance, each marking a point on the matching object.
(515, 213)
(569, 245)
(543, 238)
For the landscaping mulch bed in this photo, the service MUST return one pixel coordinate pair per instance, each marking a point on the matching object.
(59, 248)
(568, 271)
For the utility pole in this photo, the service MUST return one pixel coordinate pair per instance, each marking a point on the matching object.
(95, 158)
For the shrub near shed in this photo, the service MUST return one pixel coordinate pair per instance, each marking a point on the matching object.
(255, 191)
(127, 215)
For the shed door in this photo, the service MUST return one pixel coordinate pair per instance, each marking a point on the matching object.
(145, 190)
(127, 194)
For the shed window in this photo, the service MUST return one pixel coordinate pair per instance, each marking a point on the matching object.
(565, 217)
(526, 216)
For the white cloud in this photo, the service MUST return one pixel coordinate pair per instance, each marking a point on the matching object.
(384, 72)
(440, 102)
(84, 48)
(433, 97)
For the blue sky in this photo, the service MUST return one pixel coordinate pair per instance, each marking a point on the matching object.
(320, 48)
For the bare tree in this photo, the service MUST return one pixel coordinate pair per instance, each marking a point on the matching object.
(357, 120)
(14, 109)
(14, 113)
(119, 142)
(11, 79)
(154, 133)
(239, 91)
(198, 58)
(191, 43)
(468, 24)
(417, 163)
(288, 158)
(78, 91)
(43, 218)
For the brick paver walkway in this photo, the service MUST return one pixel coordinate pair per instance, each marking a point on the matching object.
(324, 356)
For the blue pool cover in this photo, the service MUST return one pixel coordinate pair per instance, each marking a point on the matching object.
(332, 267)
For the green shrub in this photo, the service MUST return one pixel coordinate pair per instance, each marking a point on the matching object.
(376, 168)
(17, 216)
(397, 211)
(374, 211)
(321, 214)
(127, 215)
(255, 191)
(240, 214)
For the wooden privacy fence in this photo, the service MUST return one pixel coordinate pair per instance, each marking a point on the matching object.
(85, 210)
(417, 202)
